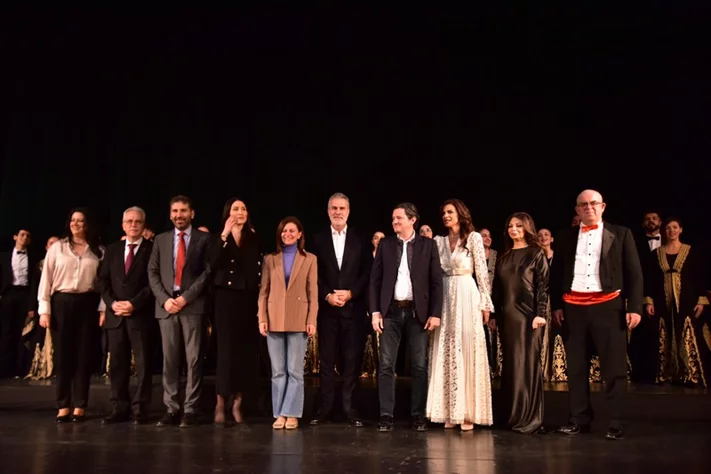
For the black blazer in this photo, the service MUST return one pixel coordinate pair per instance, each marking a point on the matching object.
(115, 285)
(620, 267)
(233, 267)
(425, 274)
(353, 274)
(33, 275)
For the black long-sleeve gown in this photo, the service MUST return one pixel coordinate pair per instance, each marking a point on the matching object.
(521, 294)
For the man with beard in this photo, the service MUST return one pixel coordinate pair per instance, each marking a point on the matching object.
(178, 272)
(644, 342)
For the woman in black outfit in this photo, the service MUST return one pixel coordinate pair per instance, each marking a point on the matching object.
(236, 272)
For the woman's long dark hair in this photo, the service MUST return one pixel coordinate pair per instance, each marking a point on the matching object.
(463, 216)
(528, 226)
(280, 228)
(91, 231)
(247, 233)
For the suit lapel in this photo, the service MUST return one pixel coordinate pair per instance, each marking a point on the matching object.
(607, 239)
(348, 250)
(328, 242)
(298, 262)
(140, 253)
(118, 260)
(279, 268)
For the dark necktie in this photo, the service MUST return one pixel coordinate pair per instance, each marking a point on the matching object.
(129, 258)
(21, 252)
(656, 237)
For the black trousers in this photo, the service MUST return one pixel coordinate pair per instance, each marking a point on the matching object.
(122, 340)
(337, 334)
(606, 324)
(74, 324)
(13, 311)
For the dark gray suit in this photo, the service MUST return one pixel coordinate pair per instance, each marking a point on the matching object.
(188, 322)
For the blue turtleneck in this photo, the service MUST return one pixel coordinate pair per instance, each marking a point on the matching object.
(289, 252)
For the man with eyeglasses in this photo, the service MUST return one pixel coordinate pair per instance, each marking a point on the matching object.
(124, 286)
(596, 290)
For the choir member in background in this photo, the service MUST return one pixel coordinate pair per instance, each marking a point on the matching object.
(675, 295)
(17, 301)
(552, 360)
(377, 237)
(344, 261)
(596, 290)
(288, 307)
(235, 263)
(179, 272)
(493, 341)
(460, 382)
(70, 305)
(148, 234)
(426, 231)
(521, 295)
(123, 281)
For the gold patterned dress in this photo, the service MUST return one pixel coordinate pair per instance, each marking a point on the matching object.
(674, 285)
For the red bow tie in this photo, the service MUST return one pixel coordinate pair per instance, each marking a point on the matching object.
(589, 227)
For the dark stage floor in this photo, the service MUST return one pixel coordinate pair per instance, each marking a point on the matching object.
(670, 431)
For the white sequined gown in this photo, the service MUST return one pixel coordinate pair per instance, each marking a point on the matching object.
(459, 379)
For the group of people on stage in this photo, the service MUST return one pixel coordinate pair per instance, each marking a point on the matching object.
(441, 294)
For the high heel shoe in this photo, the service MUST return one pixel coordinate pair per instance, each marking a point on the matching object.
(79, 417)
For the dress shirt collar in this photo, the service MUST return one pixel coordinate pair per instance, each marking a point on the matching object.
(343, 232)
(187, 231)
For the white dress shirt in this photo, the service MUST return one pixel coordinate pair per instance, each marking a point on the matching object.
(654, 244)
(403, 284)
(586, 274)
(339, 244)
(20, 268)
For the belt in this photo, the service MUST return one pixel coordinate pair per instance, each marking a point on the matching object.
(458, 273)
(177, 293)
(403, 303)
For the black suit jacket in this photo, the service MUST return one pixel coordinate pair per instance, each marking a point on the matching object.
(425, 274)
(620, 267)
(353, 274)
(6, 277)
(115, 285)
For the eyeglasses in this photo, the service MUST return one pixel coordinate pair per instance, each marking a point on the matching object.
(132, 221)
(591, 204)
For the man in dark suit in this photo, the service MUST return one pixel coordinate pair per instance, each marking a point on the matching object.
(17, 300)
(596, 288)
(343, 270)
(405, 297)
(123, 282)
(178, 272)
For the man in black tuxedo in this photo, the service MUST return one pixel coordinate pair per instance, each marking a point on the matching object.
(596, 288)
(124, 286)
(17, 300)
(344, 260)
(405, 297)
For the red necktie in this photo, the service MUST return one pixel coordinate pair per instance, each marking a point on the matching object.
(180, 262)
(129, 258)
(589, 227)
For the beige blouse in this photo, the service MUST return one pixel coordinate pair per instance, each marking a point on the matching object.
(66, 272)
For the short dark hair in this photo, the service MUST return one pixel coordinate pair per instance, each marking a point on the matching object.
(182, 198)
(410, 211)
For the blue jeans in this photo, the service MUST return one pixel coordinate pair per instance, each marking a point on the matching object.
(286, 351)
(399, 322)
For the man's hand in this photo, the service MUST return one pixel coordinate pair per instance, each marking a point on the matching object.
(377, 321)
(333, 300)
(181, 302)
(633, 320)
(432, 322)
(122, 308)
(171, 306)
(343, 295)
(558, 317)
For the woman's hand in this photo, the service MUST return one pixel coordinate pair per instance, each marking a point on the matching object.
(310, 330)
(650, 309)
(538, 322)
(698, 309)
(231, 221)
(485, 316)
(44, 320)
(263, 329)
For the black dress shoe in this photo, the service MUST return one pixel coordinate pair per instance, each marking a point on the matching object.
(419, 424)
(64, 418)
(169, 419)
(573, 429)
(139, 419)
(615, 434)
(354, 419)
(321, 418)
(189, 420)
(385, 424)
(115, 417)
